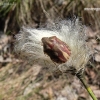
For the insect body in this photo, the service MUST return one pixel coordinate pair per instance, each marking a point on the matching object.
(56, 49)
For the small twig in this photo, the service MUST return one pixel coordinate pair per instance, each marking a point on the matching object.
(45, 12)
(8, 18)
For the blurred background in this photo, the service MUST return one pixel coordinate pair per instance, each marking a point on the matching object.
(20, 80)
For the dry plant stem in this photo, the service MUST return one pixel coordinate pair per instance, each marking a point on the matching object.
(81, 78)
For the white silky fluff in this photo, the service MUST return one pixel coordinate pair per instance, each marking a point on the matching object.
(28, 42)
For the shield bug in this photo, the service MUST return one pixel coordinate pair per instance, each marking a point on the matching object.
(56, 49)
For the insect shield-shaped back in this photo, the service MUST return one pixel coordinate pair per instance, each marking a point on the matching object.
(56, 49)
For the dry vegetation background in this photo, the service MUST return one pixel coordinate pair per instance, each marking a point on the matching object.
(20, 80)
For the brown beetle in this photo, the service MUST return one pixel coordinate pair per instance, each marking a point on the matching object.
(56, 49)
